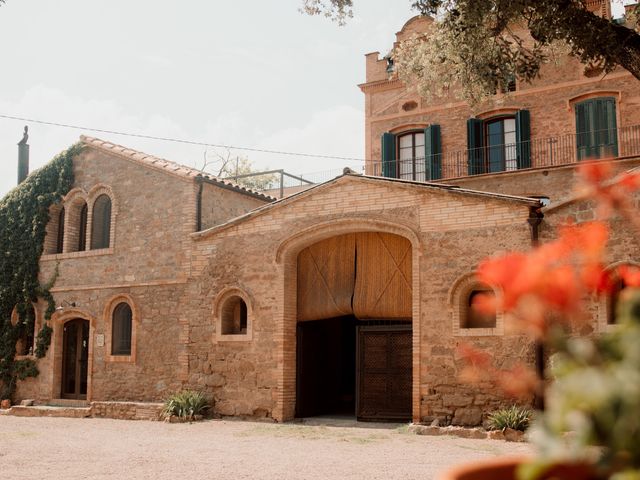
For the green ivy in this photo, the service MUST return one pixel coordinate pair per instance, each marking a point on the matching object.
(24, 213)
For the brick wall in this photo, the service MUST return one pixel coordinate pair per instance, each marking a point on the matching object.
(450, 233)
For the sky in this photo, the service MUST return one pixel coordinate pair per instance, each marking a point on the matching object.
(255, 74)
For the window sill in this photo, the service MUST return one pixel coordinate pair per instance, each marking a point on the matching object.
(237, 337)
(82, 254)
(121, 358)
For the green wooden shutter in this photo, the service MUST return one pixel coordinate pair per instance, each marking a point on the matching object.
(523, 138)
(475, 144)
(432, 152)
(389, 168)
(584, 129)
(605, 125)
(596, 128)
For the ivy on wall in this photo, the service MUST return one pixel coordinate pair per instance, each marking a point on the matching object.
(24, 213)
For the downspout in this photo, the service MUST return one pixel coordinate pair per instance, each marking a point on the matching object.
(534, 220)
(199, 204)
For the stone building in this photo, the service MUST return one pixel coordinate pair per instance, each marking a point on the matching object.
(349, 297)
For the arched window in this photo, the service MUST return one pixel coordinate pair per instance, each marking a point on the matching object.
(234, 316)
(121, 329)
(614, 300)
(472, 317)
(60, 233)
(101, 222)
(82, 229)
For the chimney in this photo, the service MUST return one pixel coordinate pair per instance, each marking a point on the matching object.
(23, 156)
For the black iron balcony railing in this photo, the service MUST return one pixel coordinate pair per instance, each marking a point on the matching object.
(539, 152)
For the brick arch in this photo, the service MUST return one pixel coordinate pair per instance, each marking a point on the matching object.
(286, 318)
(94, 193)
(58, 319)
(107, 316)
(302, 239)
(218, 304)
(604, 299)
(73, 203)
(456, 302)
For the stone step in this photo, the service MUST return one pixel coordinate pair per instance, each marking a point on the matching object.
(82, 409)
(49, 411)
(63, 402)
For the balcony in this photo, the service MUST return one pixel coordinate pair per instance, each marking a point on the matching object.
(536, 153)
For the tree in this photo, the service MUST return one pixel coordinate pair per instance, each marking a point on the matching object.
(225, 165)
(481, 45)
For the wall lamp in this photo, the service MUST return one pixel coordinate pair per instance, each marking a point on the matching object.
(65, 304)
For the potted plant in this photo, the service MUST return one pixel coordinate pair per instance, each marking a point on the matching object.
(590, 427)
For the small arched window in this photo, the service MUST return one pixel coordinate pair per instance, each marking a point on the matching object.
(473, 318)
(614, 300)
(101, 223)
(60, 233)
(234, 316)
(121, 329)
(82, 229)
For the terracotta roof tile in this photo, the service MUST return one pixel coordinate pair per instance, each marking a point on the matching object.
(168, 166)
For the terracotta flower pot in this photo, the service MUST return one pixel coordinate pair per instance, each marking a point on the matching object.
(505, 469)
(5, 404)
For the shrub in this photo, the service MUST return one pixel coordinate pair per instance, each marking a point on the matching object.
(186, 405)
(514, 417)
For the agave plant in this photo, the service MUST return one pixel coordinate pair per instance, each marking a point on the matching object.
(514, 417)
(185, 404)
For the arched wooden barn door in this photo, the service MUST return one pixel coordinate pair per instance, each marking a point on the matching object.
(354, 327)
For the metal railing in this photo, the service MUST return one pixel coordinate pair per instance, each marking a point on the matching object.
(538, 152)
(273, 182)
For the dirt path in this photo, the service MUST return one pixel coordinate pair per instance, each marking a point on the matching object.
(61, 448)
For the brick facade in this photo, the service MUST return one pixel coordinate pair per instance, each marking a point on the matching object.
(181, 280)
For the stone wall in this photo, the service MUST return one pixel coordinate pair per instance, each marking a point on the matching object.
(452, 232)
(220, 205)
(556, 183)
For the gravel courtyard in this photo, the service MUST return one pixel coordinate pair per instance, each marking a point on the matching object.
(65, 448)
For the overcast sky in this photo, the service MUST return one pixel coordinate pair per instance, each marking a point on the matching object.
(253, 73)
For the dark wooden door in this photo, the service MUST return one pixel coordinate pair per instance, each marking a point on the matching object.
(75, 359)
(384, 373)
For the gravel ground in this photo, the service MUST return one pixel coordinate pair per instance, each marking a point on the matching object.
(66, 448)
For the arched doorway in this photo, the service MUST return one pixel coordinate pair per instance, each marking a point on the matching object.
(75, 359)
(354, 327)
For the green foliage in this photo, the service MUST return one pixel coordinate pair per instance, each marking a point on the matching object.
(514, 417)
(24, 213)
(479, 46)
(596, 397)
(185, 404)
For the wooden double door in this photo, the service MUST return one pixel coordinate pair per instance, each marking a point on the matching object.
(346, 366)
(75, 359)
(384, 373)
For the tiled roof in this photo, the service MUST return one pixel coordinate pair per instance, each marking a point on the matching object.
(531, 202)
(167, 166)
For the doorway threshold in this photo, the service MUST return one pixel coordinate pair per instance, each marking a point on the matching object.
(343, 421)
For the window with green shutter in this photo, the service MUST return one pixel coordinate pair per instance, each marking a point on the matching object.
(596, 128)
(412, 155)
(499, 143)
